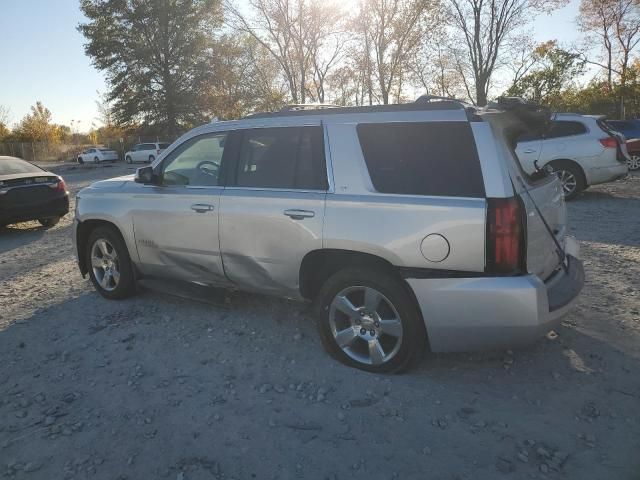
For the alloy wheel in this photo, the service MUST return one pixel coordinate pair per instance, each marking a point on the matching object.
(365, 325)
(568, 181)
(634, 162)
(105, 264)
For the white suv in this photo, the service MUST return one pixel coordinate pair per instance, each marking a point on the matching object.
(145, 152)
(406, 225)
(581, 149)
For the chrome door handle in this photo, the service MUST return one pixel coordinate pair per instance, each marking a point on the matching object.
(202, 207)
(296, 214)
(529, 151)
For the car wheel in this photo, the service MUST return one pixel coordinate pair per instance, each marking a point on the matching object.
(109, 264)
(127, 159)
(570, 177)
(634, 162)
(151, 158)
(96, 159)
(49, 221)
(367, 319)
(80, 160)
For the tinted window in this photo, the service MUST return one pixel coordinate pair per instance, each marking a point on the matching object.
(12, 166)
(565, 129)
(196, 162)
(286, 157)
(148, 146)
(431, 158)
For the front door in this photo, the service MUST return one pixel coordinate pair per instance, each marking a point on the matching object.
(176, 222)
(272, 213)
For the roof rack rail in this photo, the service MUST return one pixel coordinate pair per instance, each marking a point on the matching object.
(296, 107)
(430, 98)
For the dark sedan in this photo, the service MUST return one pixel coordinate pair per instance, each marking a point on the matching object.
(28, 192)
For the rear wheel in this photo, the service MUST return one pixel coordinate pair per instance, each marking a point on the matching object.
(49, 221)
(151, 158)
(109, 264)
(367, 319)
(570, 177)
(634, 162)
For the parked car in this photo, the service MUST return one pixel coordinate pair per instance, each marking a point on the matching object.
(633, 147)
(629, 128)
(582, 150)
(27, 192)
(145, 152)
(97, 155)
(404, 224)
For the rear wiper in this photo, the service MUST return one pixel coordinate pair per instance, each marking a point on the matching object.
(559, 250)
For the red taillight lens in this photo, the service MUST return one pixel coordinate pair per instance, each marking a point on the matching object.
(505, 236)
(609, 142)
(60, 186)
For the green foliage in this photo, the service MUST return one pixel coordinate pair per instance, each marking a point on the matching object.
(157, 55)
(554, 72)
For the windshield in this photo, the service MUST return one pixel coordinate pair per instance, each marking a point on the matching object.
(13, 166)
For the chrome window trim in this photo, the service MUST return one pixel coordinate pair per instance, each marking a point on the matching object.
(270, 189)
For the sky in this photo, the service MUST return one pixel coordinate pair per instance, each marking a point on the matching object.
(42, 58)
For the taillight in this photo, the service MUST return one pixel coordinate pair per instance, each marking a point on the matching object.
(60, 186)
(505, 236)
(609, 142)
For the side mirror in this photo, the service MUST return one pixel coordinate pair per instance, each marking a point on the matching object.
(145, 175)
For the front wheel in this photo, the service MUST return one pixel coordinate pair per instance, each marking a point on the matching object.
(151, 158)
(96, 159)
(80, 160)
(367, 319)
(109, 264)
(127, 159)
(634, 162)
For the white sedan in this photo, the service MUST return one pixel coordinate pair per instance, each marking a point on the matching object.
(97, 155)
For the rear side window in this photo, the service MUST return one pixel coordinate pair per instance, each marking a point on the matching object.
(427, 158)
(282, 157)
(163, 146)
(565, 129)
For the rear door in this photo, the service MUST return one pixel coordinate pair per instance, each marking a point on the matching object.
(528, 150)
(272, 213)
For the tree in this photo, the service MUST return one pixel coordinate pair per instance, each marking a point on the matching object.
(37, 126)
(302, 36)
(157, 56)
(616, 24)
(389, 35)
(4, 122)
(486, 28)
(551, 71)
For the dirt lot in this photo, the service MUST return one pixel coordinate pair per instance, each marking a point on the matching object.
(161, 387)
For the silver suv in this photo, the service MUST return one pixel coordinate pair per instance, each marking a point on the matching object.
(407, 225)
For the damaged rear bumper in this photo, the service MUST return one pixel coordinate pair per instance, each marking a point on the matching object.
(467, 314)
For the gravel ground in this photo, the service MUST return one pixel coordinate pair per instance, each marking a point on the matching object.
(162, 387)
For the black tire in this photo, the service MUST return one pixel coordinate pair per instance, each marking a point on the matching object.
(412, 341)
(126, 284)
(634, 162)
(49, 221)
(96, 160)
(80, 160)
(128, 159)
(569, 170)
(151, 158)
